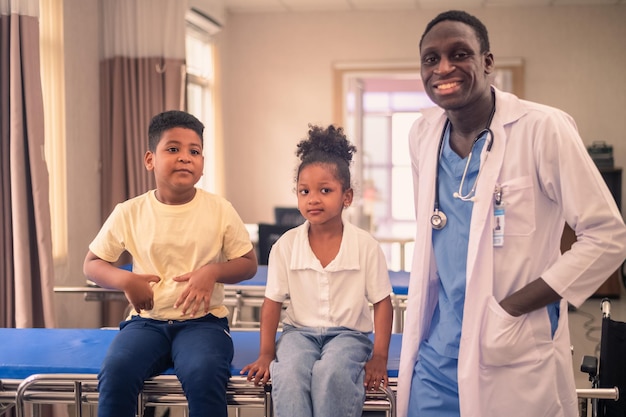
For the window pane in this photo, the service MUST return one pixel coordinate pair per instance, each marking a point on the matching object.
(200, 73)
(400, 125)
(199, 56)
(376, 102)
(411, 101)
(376, 142)
(406, 101)
(402, 194)
(376, 191)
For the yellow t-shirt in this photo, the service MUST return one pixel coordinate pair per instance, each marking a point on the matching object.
(172, 240)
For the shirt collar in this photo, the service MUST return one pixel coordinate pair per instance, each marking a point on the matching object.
(347, 258)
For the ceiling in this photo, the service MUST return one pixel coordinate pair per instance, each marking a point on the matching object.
(244, 6)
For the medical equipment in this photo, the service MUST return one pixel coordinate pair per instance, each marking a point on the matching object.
(438, 220)
(610, 375)
(60, 366)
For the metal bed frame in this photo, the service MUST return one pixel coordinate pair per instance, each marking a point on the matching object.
(29, 384)
(164, 390)
(249, 295)
(79, 388)
(31, 374)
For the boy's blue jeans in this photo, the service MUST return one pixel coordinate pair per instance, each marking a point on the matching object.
(200, 351)
(319, 372)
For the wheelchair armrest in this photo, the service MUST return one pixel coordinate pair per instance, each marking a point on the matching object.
(589, 365)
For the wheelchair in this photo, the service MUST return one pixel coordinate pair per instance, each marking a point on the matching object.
(607, 373)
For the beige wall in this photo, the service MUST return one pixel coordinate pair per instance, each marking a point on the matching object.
(277, 78)
(83, 177)
(277, 73)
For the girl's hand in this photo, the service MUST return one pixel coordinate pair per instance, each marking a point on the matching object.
(376, 373)
(259, 370)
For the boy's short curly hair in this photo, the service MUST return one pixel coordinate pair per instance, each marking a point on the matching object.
(169, 120)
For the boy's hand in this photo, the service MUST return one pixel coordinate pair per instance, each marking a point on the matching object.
(259, 370)
(197, 292)
(376, 373)
(139, 292)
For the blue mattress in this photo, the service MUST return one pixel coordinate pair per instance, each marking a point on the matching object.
(24, 352)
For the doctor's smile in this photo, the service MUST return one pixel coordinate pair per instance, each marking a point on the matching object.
(446, 86)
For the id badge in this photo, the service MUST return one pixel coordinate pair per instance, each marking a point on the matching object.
(498, 229)
(498, 217)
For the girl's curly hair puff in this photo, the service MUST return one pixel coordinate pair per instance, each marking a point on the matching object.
(327, 146)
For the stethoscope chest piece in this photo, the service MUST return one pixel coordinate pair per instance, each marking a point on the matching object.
(438, 220)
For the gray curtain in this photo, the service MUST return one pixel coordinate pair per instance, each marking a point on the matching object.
(132, 91)
(26, 284)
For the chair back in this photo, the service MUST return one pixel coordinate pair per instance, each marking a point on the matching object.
(268, 235)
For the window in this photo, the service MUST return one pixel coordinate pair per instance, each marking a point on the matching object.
(379, 110)
(200, 89)
(53, 91)
(377, 103)
(388, 107)
(386, 168)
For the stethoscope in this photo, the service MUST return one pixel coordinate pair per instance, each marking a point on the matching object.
(439, 219)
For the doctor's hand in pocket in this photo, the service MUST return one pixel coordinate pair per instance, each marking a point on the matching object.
(506, 340)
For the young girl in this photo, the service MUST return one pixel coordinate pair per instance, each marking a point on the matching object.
(329, 271)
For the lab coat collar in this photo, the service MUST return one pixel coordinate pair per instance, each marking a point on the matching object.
(509, 109)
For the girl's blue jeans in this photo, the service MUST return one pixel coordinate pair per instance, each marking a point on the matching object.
(199, 350)
(319, 372)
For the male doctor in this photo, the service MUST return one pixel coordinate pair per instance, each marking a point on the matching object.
(495, 177)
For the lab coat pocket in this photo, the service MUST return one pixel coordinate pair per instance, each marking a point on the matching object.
(519, 205)
(506, 340)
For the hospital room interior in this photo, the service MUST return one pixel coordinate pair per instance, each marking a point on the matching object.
(259, 72)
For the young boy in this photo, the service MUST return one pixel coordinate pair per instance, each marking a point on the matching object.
(186, 244)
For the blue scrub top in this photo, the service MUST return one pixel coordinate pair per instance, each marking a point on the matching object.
(434, 390)
(451, 245)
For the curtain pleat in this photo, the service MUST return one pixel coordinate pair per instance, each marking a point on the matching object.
(142, 73)
(27, 267)
(7, 312)
(133, 90)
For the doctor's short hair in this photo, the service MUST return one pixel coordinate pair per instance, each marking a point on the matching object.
(169, 120)
(463, 17)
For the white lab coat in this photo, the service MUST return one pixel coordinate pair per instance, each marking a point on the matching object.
(511, 366)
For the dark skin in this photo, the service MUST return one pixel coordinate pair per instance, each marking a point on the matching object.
(177, 165)
(321, 200)
(456, 73)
